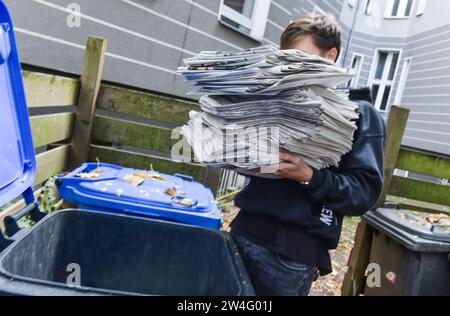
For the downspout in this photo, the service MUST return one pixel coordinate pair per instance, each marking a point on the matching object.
(355, 20)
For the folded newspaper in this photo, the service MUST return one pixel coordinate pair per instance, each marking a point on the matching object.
(260, 101)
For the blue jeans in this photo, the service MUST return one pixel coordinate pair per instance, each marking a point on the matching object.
(272, 274)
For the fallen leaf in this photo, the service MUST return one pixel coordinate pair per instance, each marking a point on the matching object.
(149, 176)
(88, 175)
(434, 219)
(171, 192)
(184, 202)
(134, 180)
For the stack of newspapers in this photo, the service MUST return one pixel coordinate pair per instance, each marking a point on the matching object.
(260, 101)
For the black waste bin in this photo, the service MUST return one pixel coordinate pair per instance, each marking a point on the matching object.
(121, 255)
(412, 249)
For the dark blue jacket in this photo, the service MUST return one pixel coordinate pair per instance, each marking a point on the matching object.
(282, 213)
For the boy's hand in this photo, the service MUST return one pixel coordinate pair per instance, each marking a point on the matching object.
(294, 168)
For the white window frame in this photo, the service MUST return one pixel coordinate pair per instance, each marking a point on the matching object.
(256, 24)
(354, 82)
(402, 8)
(384, 81)
(402, 83)
(421, 7)
(319, 10)
(368, 10)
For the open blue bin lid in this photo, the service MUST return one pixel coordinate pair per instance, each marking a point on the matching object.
(110, 192)
(17, 156)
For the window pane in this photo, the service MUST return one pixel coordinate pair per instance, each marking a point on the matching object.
(395, 8)
(386, 95)
(408, 8)
(393, 67)
(236, 25)
(355, 62)
(368, 9)
(375, 89)
(245, 7)
(381, 64)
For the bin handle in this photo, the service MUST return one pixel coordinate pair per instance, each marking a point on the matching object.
(11, 225)
(185, 177)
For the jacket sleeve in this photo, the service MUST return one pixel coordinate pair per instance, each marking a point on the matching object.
(354, 187)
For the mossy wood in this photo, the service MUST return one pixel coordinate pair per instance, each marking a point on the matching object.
(411, 204)
(50, 163)
(43, 90)
(420, 190)
(52, 128)
(143, 161)
(123, 132)
(424, 163)
(398, 118)
(90, 84)
(145, 105)
(354, 280)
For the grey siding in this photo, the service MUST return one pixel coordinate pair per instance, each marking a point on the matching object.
(427, 91)
(148, 40)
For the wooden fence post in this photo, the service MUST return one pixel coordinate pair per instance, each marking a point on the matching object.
(212, 179)
(398, 119)
(85, 113)
(353, 284)
(354, 279)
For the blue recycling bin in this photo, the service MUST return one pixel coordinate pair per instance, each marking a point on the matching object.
(117, 245)
(176, 198)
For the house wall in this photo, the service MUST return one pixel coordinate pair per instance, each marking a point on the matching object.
(163, 32)
(160, 33)
(425, 39)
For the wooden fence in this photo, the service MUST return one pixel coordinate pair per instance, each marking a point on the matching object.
(131, 122)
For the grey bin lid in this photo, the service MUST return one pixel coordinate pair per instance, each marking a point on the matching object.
(417, 231)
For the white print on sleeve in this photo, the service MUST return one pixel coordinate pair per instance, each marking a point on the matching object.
(327, 216)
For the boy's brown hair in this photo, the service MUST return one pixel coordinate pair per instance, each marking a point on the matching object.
(324, 28)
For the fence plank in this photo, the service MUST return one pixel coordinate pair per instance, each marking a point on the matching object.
(422, 163)
(359, 257)
(410, 204)
(117, 131)
(144, 105)
(354, 280)
(51, 162)
(420, 190)
(398, 118)
(90, 84)
(142, 161)
(49, 90)
(52, 128)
